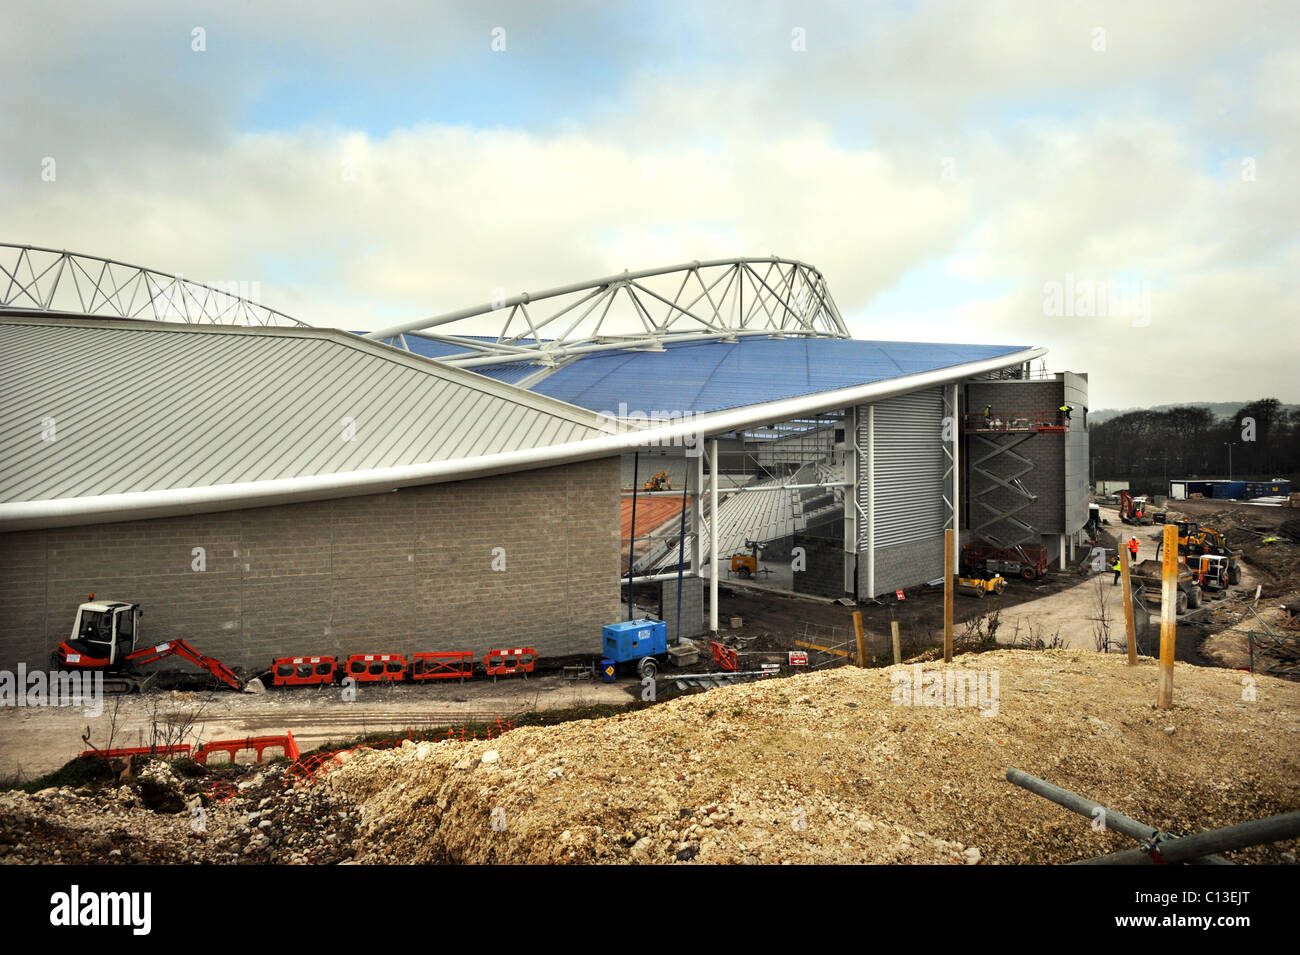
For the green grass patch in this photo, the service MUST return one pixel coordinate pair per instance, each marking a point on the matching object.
(82, 771)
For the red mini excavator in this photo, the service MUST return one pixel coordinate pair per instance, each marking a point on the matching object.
(1134, 510)
(104, 637)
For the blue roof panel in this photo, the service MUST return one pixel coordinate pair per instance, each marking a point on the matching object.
(701, 377)
(713, 376)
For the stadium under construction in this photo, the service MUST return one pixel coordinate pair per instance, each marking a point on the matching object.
(503, 474)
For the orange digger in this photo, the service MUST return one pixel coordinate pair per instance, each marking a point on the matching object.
(104, 637)
(659, 482)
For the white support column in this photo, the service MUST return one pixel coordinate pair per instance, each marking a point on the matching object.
(956, 477)
(1062, 561)
(713, 536)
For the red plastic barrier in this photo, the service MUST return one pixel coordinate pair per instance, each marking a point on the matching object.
(222, 791)
(304, 769)
(724, 657)
(506, 662)
(442, 665)
(257, 743)
(377, 667)
(166, 752)
(303, 671)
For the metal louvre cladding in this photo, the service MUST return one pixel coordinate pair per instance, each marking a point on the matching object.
(909, 468)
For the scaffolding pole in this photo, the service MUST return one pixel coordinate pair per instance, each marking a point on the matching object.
(1110, 819)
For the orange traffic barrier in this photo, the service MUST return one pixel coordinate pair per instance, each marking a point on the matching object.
(377, 667)
(442, 665)
(506, 662)
(303, 671)
(258, 744)
(724, 657)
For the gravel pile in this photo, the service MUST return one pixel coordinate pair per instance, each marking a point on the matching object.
(826, 767)
(163, 819)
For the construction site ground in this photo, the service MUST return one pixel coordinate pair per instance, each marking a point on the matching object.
(1064, 608)
(1058, 607)
(35, 741)
(837, 766)
(719, 775)
(774, 622)
(1271, 568)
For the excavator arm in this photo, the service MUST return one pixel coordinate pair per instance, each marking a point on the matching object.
(182, 649)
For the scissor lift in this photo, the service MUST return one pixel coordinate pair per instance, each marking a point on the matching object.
(994, 439)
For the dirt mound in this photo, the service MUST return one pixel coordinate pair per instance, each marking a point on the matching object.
(849, 766)
(163, 820)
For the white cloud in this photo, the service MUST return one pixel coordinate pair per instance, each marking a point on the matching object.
(1123, 164)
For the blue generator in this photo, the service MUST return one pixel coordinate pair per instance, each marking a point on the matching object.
(644, 641)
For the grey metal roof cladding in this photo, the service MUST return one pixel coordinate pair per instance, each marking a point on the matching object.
(93, 407)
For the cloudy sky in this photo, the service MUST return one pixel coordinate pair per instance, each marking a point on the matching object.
(954, 169)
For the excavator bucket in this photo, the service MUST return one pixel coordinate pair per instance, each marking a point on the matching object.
(182, 649)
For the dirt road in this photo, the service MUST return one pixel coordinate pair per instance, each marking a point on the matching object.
(1081, 613)
(34, 741)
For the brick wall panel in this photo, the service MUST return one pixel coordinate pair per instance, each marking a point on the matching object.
(397, 572)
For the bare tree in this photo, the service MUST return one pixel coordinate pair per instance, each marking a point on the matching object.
(1034, 638)
(171, 729)
(114, 722)
(1101, 623)
(979, 633)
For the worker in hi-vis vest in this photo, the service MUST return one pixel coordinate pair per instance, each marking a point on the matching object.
(1115, 567)
(1064, 411)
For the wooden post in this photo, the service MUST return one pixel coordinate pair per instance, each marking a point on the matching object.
(949, 585)
(1168, 618)
(898, 653)
(862, 640)
(1130, 625)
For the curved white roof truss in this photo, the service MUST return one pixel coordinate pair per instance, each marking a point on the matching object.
(36, 279)
(721, 299)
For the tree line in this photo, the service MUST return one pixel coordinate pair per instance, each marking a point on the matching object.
(1150, 448)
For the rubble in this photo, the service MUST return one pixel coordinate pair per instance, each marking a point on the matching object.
(271, 823)
(825, 768)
